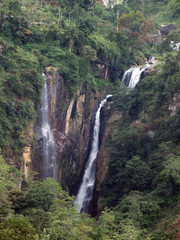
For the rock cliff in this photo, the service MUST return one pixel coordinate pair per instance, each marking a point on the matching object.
(72, 122)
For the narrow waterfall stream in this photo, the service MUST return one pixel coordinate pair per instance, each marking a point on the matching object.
(48, 144)
(85, 193)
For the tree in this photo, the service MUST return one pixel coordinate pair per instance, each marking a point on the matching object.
(136, 26)
(5, 185)
(4, 11)
(175, 7)
(17, 227)
(107, 227)
(71, 35)
(171, 169)
(39, 219)
(138, 173)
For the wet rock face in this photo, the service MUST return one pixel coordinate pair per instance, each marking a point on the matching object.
(79, 130)
(72, 122)
(151, 70)
(57, 99)
(108, 124)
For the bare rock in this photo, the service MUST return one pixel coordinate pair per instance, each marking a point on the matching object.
(166, 29)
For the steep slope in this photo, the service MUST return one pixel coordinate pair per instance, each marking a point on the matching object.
(144, 156)
(84, 49)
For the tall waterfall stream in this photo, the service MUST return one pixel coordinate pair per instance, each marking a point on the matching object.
(130, 78)
(48, 144)
(85, 193)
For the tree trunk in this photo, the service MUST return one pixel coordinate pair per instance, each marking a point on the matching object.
(71, 43)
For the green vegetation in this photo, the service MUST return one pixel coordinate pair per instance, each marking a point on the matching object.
(42, 210)
(140, 194)
(144, 168)
(36, 34)
(160, 11)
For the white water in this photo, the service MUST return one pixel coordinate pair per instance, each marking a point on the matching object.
(175, 46)
(48, 144)
(85, 193)
(110, 3)
(106, 2)
(132, 76)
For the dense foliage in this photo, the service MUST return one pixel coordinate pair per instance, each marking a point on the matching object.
(144, 167)
(36, 34)
(74, 36)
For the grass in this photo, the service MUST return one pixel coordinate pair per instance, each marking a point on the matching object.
(159, 12)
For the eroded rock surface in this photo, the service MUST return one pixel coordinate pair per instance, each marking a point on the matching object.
(71, 119)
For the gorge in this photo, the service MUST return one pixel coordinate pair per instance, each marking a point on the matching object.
(76, 162)
(85, 193)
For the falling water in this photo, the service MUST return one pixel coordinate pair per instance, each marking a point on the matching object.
(175, 46)
(106, 2)
(48, 144)
(85, 193)
(132, 76)
(130, 79)
(109, 3)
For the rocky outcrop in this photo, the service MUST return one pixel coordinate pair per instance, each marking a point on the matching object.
(72, 122)
(151, 68)
(166, 29)
(175, 104)
(101, 68)
(161, 34)
(28, 135)
(109, 125)
(109, 119)
(78, 130)
(155, 38)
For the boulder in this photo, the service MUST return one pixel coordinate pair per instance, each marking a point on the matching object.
(166, 29)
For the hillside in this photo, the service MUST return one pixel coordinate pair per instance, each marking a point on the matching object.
(84, 48)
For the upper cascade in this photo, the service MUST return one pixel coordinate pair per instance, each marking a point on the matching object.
(132, 76)
(85, 193)
(48, 143)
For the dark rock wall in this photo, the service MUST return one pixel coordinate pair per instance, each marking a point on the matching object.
(72, 123)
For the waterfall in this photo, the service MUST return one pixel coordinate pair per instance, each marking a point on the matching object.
(175, 46)
(48, 144)
(110, 3)
(85, 193)
(106, 2)
(132, 76)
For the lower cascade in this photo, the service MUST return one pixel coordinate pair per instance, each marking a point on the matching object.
(48, 144)
(85, 193)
